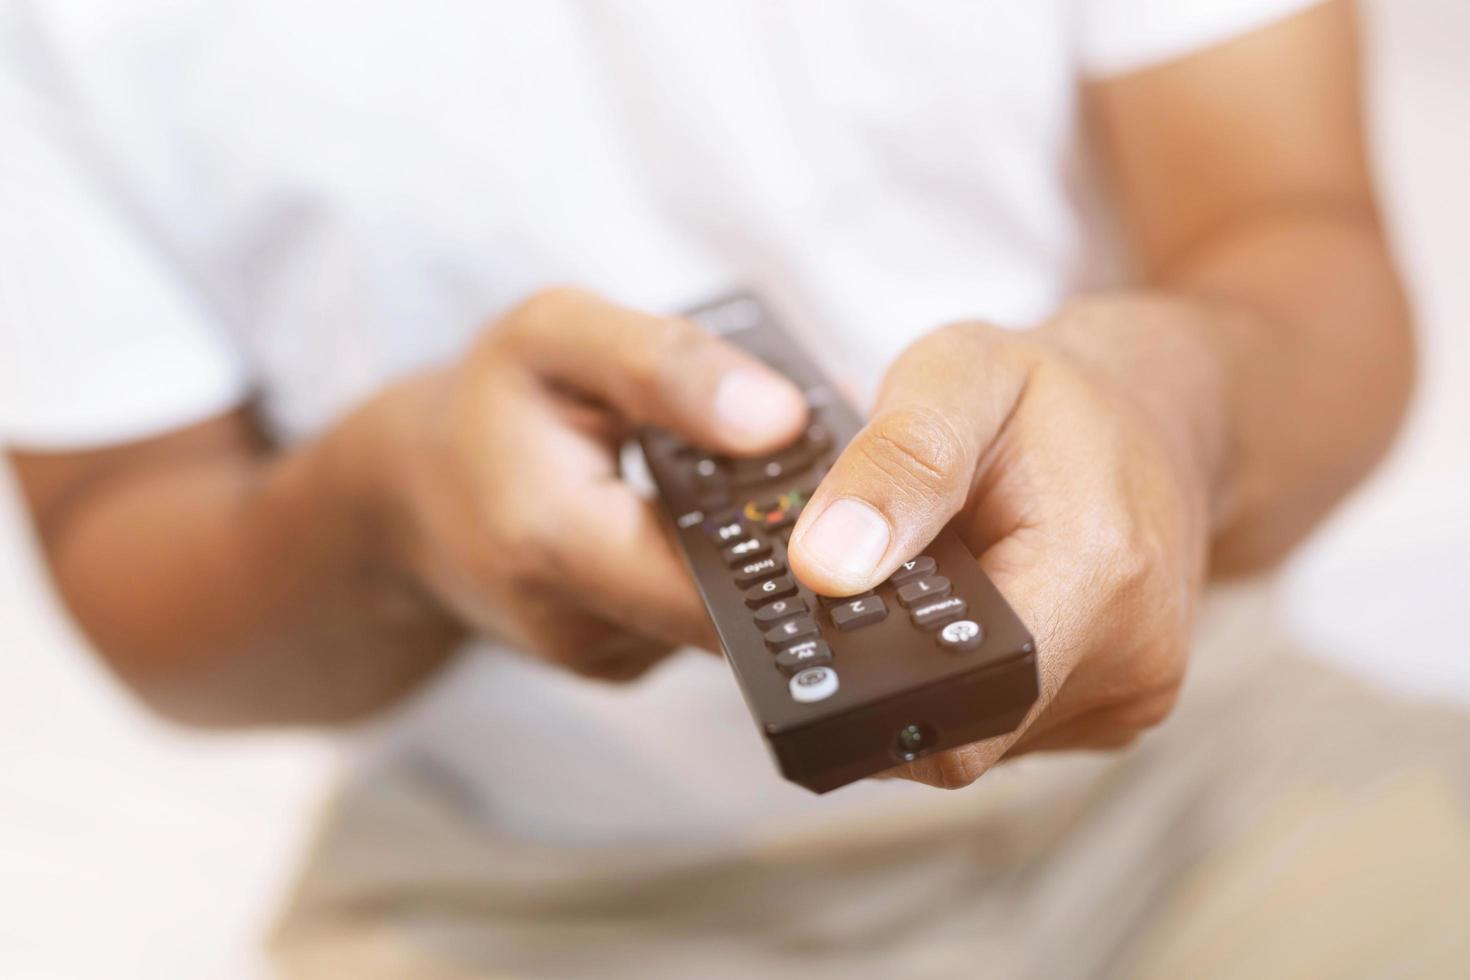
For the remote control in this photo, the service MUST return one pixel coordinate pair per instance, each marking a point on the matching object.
(846, 687)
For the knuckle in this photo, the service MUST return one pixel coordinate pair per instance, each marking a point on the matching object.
(917, 448)
(546, 305)
(956, 769)
(534, 317)
(1114, 740)
(522, 552)
(975, 335)
(1128, 556)
(1152, 712)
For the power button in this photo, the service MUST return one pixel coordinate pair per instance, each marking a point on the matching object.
(814, 684)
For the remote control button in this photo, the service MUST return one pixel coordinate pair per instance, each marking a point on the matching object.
(742, 551)
(800, 628)
(745, 472)
(773, 612)
(814, 684)
(922, 565)
(726, 529)
(818, 439)
(752, 572)
(916, 591)
(935, 614)
(961, 635)
(710, 479)
(799, 656)
(828, 601)
(777, 512)
(776, 588)
(859, 612)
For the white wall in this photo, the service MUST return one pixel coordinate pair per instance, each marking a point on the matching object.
(129, 850)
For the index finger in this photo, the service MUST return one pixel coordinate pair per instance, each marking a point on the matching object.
(657, 370)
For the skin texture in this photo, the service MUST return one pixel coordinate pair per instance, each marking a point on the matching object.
(321, 584)
(1103, 465)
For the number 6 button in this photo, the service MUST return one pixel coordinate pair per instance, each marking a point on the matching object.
(858, 612)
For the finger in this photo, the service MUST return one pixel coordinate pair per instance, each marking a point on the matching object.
(614, 558)
(1049, 599)
(591, 647)
(912, 466)
(662, 371)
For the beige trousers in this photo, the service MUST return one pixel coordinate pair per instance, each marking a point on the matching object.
(1287, 821)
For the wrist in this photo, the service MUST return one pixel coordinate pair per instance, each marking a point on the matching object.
(365, 472)
(1162, 356)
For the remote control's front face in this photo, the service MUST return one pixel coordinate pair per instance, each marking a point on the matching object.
(932, 659)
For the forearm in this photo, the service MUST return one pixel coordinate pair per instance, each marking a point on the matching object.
(1280, 357)
(238, 589)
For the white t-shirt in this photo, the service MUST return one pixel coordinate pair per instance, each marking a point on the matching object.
(302, 199)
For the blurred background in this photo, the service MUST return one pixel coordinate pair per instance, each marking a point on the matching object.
(113, 826)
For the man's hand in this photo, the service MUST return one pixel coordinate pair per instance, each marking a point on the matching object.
(500, 474)
(1100, 463)
(230, 582)
(1086, 499)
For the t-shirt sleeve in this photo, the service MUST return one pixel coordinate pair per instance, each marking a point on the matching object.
(102, 338)
(1119, 36)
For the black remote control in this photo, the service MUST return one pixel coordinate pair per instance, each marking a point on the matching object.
(841, 688)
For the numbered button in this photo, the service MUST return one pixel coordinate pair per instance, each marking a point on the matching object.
(828, 601)
(932, 615)
(773, 612)
(961, 635)
(753, 571)
(858, 612)
(814, 684)
(914, 568)
(918, 590)
(800, 656)
(777, 588)
(744, 551)
(792, 631)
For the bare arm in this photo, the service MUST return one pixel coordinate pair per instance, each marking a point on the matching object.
(230, 583)
(1243, 178)
(1104, 463)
